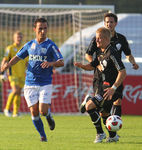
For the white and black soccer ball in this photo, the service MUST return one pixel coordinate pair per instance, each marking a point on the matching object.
(114, 123)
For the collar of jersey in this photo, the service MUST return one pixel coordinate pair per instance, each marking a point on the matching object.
(43, 41)
(16, 45)
(107, 48)
(115, 35)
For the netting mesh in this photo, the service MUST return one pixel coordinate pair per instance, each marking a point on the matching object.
(67, 28)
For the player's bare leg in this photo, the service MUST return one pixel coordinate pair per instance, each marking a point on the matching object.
(82, 107)
(47, 114)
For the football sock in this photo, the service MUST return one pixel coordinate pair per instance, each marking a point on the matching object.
(116, 110)
(104, 119)
(9, 101)
(111, 134)
(95, 117)
(39, 125)
(16, 104)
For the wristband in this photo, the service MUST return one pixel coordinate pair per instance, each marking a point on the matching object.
(114, 87)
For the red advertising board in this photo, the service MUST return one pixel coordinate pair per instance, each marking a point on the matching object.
(132, 100)
(67, 95)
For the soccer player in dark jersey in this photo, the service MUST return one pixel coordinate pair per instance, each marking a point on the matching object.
(43, 56)
(111, 71)
(119, 41)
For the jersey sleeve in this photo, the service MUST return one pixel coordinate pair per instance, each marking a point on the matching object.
(92, 47)
(125, 46)
(23, 52)
(56, 53)
(7, 53)
(117, 61)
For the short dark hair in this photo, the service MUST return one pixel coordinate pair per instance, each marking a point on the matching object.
(111, 15)
(43, 20)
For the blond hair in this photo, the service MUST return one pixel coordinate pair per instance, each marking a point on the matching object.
(105, 32)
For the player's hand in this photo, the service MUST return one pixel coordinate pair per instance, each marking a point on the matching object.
(46, 64)
(78, 64)
(4, 67)
(3, 77)
(108, 93)
(135, 66)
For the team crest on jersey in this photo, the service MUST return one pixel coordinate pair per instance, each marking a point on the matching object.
(118, 46)
(33, 46)
(43, 50)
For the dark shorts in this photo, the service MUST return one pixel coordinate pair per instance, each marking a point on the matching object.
(107, 104)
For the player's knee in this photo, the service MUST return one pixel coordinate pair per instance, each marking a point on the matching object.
(117, 102)
(16, 92)
(43, 113)
(34, 111)
(104, 114)
(90, 105)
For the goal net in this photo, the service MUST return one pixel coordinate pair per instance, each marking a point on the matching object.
(71, 28)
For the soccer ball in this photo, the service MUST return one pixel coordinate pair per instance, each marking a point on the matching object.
(114, 123)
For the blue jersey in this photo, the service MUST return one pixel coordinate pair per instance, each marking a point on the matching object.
(38, 53)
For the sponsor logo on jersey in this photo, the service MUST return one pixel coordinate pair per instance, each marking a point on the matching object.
(103, 64)
(37, 58)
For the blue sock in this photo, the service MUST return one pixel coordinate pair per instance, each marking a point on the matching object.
(39, 125)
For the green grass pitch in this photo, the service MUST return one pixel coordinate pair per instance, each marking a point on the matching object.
(72, 132)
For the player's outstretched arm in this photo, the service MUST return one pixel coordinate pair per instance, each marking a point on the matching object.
(7, 65)
(131, 59)
(89, 57)
(85, 67)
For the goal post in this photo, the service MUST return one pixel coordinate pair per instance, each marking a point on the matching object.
(71, 27)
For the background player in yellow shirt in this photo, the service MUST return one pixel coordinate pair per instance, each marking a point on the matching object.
(16, 75)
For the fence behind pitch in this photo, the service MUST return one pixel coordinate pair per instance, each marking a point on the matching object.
(71, 28)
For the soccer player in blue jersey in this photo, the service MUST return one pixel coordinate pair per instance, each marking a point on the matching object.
(43, 56)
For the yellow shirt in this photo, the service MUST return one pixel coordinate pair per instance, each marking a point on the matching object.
(19, 68)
